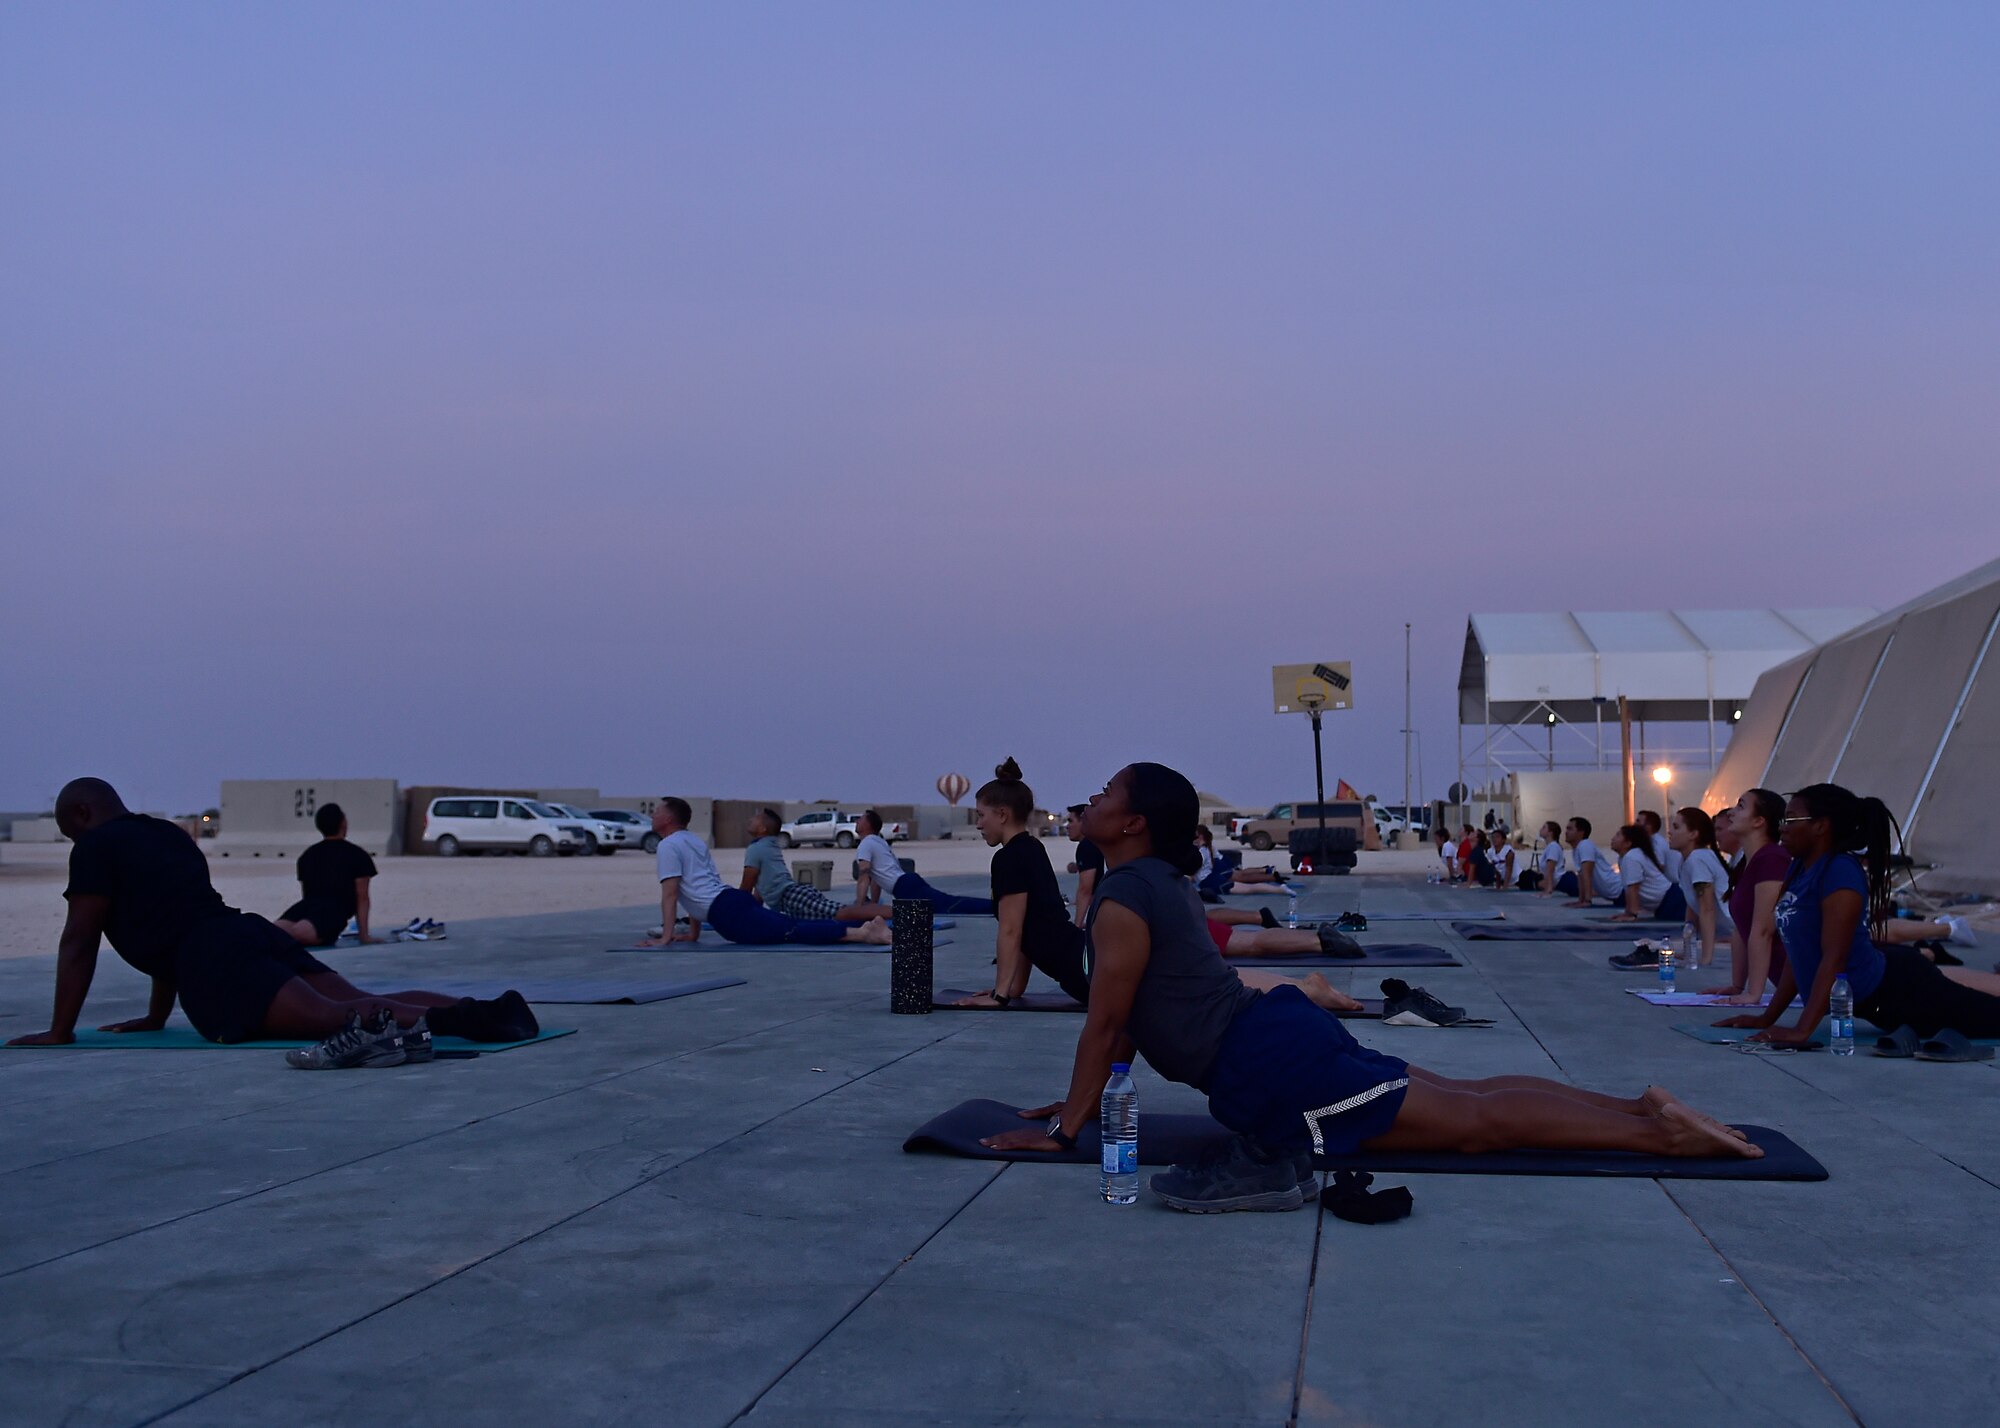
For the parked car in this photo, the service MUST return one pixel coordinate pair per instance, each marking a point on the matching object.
(832, 825)
(638, 828)
(1274, 829)
(507, 825)
(600, 835)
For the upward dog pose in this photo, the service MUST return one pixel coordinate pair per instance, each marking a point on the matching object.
(144, 884)
(333, 882)
(1837, 892)
(770, 881)
(1596, 872)
(1283, 1074)
(689, 882)
(882, 877)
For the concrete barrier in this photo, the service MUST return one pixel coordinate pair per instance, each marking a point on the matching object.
(273, 818)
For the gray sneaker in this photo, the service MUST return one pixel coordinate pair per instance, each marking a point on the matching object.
(416, 1040)
(1235, 1177)
(376, 1043)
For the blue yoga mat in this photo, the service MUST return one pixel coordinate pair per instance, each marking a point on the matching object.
(1558, 931)
(186, 1038)
(772, 947)
(631, 992)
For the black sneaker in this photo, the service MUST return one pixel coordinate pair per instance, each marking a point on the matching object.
(1352, 922)
(1236, 1177)
(1338, 944)
(1405, 1005)
(1643, 954)
(360, 1044)
(1268, 918)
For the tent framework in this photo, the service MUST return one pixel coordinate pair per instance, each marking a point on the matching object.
(1565, 673)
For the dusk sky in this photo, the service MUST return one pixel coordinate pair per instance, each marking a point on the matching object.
(805, 401)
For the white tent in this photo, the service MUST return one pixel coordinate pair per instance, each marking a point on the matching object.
(1905, 707)
(1671, 665)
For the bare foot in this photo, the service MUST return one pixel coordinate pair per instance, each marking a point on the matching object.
(876, 931)
(1322, 993)
(1658, 1098)
(1691, 1134)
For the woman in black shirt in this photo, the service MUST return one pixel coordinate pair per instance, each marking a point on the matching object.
(1035, 926)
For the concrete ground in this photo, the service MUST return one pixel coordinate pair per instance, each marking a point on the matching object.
(698, 1212)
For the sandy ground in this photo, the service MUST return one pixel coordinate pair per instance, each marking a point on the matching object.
(450, 889)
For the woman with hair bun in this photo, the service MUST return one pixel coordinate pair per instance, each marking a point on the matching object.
(1835, 896)
(1285, 1075)
(1036, 929)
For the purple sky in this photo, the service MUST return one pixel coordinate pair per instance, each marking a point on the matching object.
(807, 400)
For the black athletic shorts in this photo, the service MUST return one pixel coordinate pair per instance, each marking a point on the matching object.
(323, 915)
(229, 970)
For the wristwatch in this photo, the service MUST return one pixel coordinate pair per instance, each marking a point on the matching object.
(1067, 1142)
(998, 996)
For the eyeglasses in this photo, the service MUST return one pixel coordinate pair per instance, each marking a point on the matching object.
(1797, 818)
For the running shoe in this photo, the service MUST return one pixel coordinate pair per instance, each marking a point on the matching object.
(417, 1047)
(1352, 922)
(1338, 944)
(1234, 1177)
(1405, 1005)
(376, 1042)
(1643, 954)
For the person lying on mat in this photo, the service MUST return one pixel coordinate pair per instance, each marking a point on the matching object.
(1661, 844)
(1447, 854)
(881, 862)
(1551, 859)
(1240, 933)
(1088, 867)
(1835, 894)
(1596, 872)
(1500, 859)
(689, 883)
(1288, 1078)
(767, 878)
(1649, 892)
(143, 883)
(1756, 952)
(1704, 884)
(1036, 930)
(333, 884)
(1224, 873)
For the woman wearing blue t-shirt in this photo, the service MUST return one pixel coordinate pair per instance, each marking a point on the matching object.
(1837, 891)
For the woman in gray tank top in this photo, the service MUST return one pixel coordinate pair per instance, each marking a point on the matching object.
(1279, 1071)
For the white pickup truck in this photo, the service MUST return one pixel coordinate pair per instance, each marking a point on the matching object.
(833, 825)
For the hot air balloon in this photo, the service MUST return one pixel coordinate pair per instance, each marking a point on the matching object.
(953, 787)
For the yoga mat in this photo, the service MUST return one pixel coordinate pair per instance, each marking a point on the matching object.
(1626, 932)
(186, 1038)
(1864, 1035)
(1689, 999)
(1374, 917)
(630, 993)
(882, 948)
(1371, 1007)
(1168, 1140)
(1382, 954)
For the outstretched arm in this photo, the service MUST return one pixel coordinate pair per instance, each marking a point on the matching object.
(1123, 944)
(76, 965)
(361, 908)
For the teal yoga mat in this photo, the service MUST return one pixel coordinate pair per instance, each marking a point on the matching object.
(186, 1038)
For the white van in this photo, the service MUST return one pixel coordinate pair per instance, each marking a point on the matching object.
(509, 825)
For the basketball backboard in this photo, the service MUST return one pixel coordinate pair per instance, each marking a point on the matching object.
(1306, 688)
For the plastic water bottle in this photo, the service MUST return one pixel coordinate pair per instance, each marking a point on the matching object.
(1666, 966)
(1841, 1006)
(1118, 1130)
(1291, 906)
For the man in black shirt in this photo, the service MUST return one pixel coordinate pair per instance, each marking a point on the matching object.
(143, 883)
(333, 878)
(1088, 867)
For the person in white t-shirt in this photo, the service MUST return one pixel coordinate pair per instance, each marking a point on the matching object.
(1662, 845)
(1704, 884)
(689, 883)
(1500, 853)
(1596, 872)
(1649, 892)
(1551, 858)
(879, 877)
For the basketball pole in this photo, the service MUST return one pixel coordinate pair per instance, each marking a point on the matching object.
(1319, 788)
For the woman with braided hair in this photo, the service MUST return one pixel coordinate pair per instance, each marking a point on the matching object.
(1832, 915)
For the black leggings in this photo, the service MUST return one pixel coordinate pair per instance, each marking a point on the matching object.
(1915, 993)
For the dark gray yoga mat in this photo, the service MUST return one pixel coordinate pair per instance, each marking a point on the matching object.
(882, 948)
(1170, 1140)
(1371, 1008)
(627, 991)
(1380, 954)
(1558, 931)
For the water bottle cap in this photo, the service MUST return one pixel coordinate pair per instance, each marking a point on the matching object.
(1120, 1067)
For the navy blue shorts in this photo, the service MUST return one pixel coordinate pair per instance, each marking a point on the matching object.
(231, 968)
(1291, 1076)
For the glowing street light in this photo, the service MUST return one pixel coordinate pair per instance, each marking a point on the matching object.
(1664, 776)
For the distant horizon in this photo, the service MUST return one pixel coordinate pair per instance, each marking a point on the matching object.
(727, 399)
